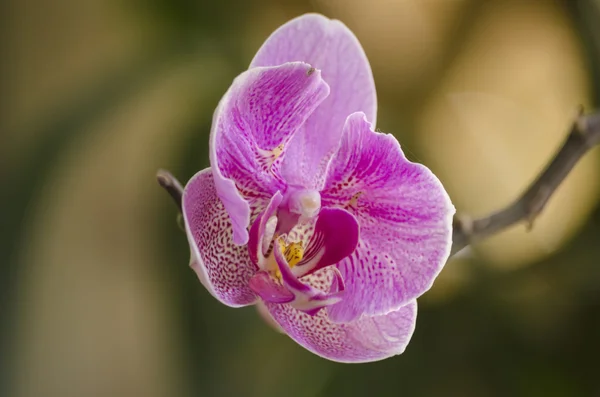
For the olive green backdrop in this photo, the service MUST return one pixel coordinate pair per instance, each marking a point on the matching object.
(96, 298)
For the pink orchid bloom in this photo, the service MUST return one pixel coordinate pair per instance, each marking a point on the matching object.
(308, 210)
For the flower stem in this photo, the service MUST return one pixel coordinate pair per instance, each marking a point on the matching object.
(168, 182)
(583, 136)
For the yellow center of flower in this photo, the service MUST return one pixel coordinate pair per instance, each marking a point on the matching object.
(354, 199)
(293, 254)
(269, 156)
(277, 150)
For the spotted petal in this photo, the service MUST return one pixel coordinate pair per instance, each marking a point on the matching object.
(330, 46)
(223, 268)
(363, 340)
(251, 127)
(405, 219)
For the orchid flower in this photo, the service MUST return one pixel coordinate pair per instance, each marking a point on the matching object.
(310, 212)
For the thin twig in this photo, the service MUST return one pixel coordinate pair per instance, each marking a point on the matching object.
(584, 135)
(171, 185)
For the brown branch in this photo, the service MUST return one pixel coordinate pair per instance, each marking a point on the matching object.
(171, 185)
(584, 135)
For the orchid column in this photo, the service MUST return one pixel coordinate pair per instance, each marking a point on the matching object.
(307, 210)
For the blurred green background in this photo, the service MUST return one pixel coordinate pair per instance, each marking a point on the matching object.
(96, 295)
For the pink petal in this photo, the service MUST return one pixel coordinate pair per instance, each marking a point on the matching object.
(253, 123)
(330, 46)
(223, 268)
(405, 219)
(363, 340)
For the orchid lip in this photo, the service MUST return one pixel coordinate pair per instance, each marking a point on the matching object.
(283, 261)
(263, 284)
(307, 299)
(283, 286)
